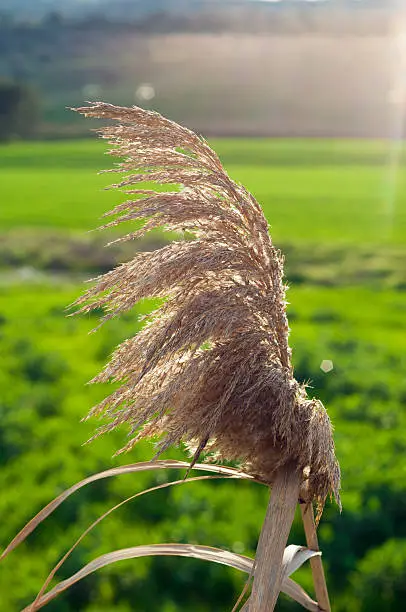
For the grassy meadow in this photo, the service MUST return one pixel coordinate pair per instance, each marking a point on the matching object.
(338, 211)
(311, 190)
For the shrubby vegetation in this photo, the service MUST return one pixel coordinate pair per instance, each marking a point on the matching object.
(19, 111)
(379, 580)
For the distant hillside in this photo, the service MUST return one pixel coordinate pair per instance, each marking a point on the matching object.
(222, 84)
(316, 69)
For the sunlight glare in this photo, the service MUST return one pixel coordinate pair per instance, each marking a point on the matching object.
(397, 100)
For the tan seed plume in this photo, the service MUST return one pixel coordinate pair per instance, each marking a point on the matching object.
(212, 366)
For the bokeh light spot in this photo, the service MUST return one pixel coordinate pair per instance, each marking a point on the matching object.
(91, 91)
(326, 365)
(145, 92)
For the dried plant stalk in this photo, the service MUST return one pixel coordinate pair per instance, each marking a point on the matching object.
(316, 564)
(212, 366)
(268, 576)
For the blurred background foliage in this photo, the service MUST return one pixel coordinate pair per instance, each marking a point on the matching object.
(337, 208)
(19, 111)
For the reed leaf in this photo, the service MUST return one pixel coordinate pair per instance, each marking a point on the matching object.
(294, 557)
(106, 514)
(125, 469)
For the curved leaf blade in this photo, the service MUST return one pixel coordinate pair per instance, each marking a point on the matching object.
(110, 511)
(206, 553)
(294, 557)
(125, 469)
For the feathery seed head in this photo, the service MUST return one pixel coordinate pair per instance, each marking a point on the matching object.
(212, 367)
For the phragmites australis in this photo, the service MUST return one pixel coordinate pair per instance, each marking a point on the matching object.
(212, 365)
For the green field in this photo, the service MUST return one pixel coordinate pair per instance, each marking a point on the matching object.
(327, 202)
(311, 191)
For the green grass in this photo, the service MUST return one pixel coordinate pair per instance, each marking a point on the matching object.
(311, 191)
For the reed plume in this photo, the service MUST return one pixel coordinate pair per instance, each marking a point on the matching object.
(212, 365)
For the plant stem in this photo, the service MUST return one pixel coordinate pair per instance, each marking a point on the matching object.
(272, 541)
(316, 564)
